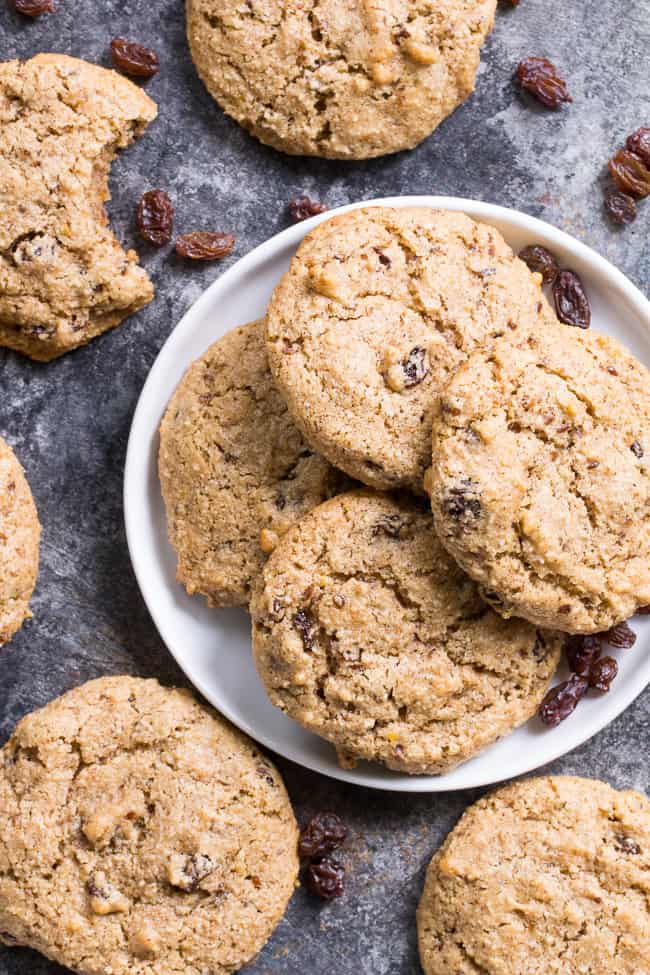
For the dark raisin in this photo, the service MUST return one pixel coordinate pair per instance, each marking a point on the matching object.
(540, 259)
(384, 259)
(302, 208)
(542, 79)
(203, 245)
(34, 8)
(304, 624)
(155, 217)
(571, 302)
(639, 143)
(602, 672)
(134, 59)
(323, 834)
(630, 173)
(461, 503)
(562, 700)
(637, 449)
(415, 366)
(621, 207)
(643, 611)
(509, 3)
(325, 878)
(621, 636)
(390, 525)
(581, 651)
(627, 845)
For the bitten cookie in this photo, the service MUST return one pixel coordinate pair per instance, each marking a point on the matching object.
(63, 276)
(234, 470)
(342, 80)
(379, 307)
(20, 532)
(366, 633)
(139, 832)
(540, 484)
(550, 875)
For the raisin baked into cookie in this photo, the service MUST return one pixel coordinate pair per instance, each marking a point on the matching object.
(366, 633)
(379, 307)
(139, 832)
(540, 484)
(235, 472)
(63, 276)
(550, 876)
(20, 532)
(343, 80)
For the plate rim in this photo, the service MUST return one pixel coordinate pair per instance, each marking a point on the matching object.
(136, 471)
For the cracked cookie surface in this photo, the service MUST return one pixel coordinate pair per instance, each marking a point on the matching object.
(235, 471)
(379, 307)
(20, 533)
(366, 633)
(345, 80)
(550, 876)
(540, 484)
(64, 278)
(141, 833)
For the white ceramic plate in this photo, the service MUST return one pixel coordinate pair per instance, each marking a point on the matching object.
(213, 646)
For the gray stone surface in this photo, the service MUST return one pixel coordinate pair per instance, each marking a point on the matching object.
(69, 420)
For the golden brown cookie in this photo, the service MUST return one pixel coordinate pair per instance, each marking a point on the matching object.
(20, 532)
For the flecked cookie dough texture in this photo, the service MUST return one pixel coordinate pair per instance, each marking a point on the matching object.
(140, 833)
(366, 633)
(346, 79)
(540, 484)
(378, 309)
(19, 537)
(63, 276)
(550, 876)
(235, 472)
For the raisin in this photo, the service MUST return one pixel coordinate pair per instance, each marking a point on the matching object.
(639, 143)
(202, 245)
(571, 302)
(637, 449)
(621, 636)
(390, 525)
(461, 502)
(627, 845)
(322, 835)
(562, 700)
(540, 259)
(542, 79)
(415, 366)
(602, 672)
(621, 207)
(134, 59)
(302, 208)
(325, 878)
(34, 8)
(155, 217)
(384, 259)
(630, 173)
(643, 611)
(304, 624)
(187, 872)
(581, 651)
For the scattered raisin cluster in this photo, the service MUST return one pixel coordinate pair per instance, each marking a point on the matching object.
(569, 296)
(323, 875)
(630, 170)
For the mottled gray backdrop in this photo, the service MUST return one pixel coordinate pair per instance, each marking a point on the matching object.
(69, 421)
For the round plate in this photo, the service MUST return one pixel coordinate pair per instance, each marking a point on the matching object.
(213, 646)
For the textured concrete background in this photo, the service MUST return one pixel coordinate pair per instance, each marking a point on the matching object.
(69, 420)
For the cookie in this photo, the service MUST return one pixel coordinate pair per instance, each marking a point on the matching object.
(548, 875)
(341, 80)
(366, 633)
(379, 307)
(139, 832)
(19, 537)
(63, 276)
(234, 470)
(540, 484)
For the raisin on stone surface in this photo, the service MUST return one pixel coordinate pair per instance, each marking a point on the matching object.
(323, 834)
(461, 502)
(304, 624)
(581, 651)
(639, 143)
(415, 366)
(542, 79)
(602, 672)
(562, 700)
(155, 217)
(325, 877)
(621, 636)
(203, 245)
(621, 207)
(571, 301)
(33, 8)
(540, 259)
(134, 59)
(302, 208)
(630, 173)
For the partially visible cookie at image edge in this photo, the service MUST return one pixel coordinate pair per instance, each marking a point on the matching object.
(20, 532)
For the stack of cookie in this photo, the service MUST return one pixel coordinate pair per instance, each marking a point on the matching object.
(401, 637)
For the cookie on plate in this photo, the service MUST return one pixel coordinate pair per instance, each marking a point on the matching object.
(540, 484)
(366, 633)
(235, 472)
(139, 832)
(548, 875)
(379, 307)
(20, 533)
(341, 80)
(63, 276)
